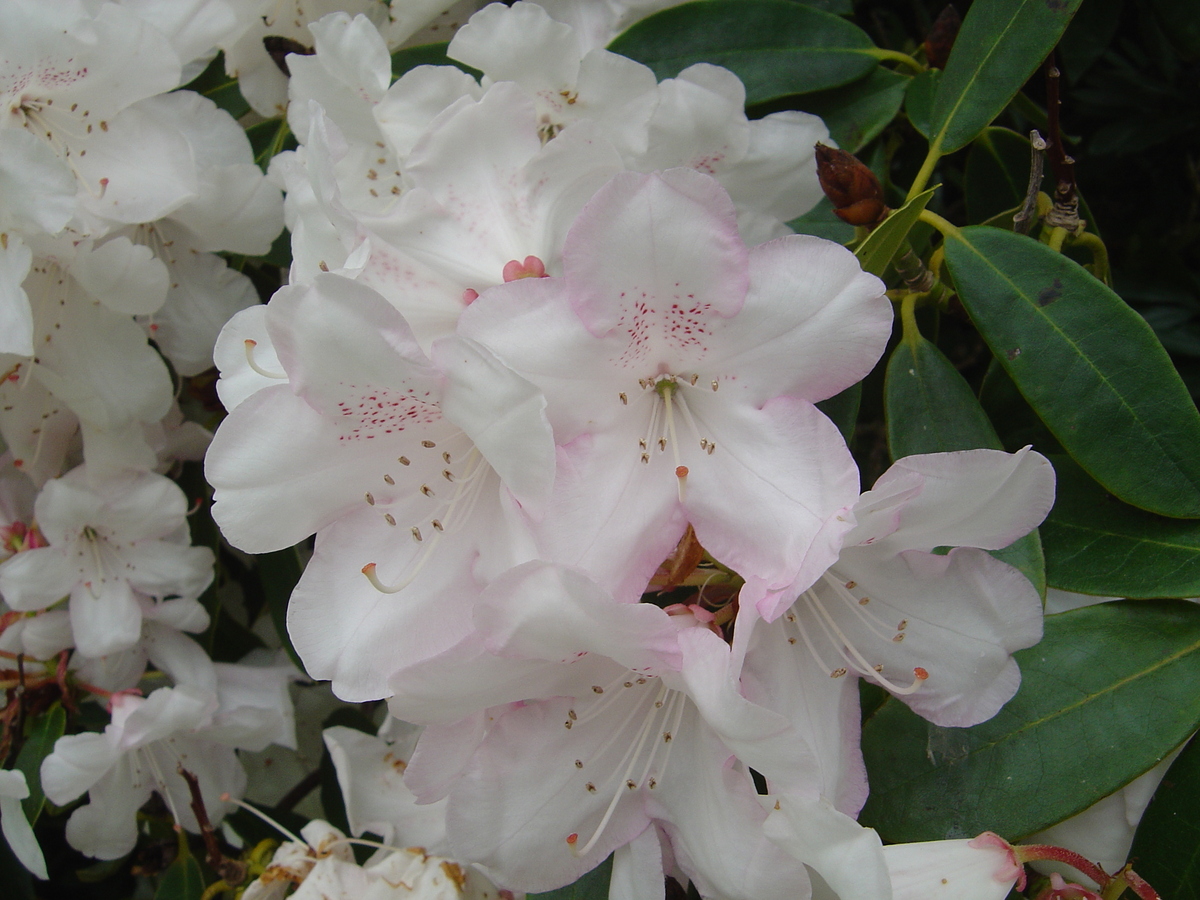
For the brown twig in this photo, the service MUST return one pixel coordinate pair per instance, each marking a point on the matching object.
(302, 789)
(1023, 220)
(231, 871)
(1065, 212)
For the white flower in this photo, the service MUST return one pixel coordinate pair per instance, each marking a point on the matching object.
(17, 831)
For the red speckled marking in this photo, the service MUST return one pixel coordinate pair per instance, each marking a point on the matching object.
(370, 412)
(682, 324)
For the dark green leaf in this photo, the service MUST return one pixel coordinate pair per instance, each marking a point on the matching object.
(1095, 544)
(426, 55)
(269, 138)
(881, 245)
(837, 7)
(1011, 414)
(183, 880)
(43, 732)
(1106, 694)
(857, 112)
(1166, 848)
(821, 221)
(1180, 20)
(997, 173)
(1000, 45)
(592, 886)
(1087, 363)
(279, 572)
(1088, 37)
(777, 48)
(930, 408)
(843, 409)
(918, 99)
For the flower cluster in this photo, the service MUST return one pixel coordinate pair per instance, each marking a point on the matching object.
(543, 387)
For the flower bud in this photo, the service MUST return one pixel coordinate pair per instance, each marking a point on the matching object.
(853, 188)
(941, 36)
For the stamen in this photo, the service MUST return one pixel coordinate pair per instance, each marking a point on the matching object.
(226, 798)
(388, 479)
(369, 571)
(681, 472)
(250, 345)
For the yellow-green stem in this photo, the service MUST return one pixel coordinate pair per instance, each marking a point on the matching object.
(908, 319)
(896, 56)
(1057, 236)
(926, 171)
(947, 228)
(1099, 254)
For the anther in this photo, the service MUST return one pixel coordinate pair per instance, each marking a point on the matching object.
(631, 784)
(571, 715)
(851, 585)
(692, 381)
(624, 398)
(437, 525)
(591, 788)
(864, 601)
(653, 784)
(446, 457)
(428, 444)
(837, 673)
(370, 499)
(403, 460)
(903, 624)
(416, 533)
(426, 490)
(388, 479)
(711, 448)
(898, 639)
(579, 763)
(448, 475)
(390, 519)
(715, 385)
(645, 457)
(596, 689)
(667, 737)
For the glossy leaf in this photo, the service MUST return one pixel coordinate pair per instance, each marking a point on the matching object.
(1088, 364)
(44, 731)
(842, 409)
(1166, 848)
(881, 245)
(1000, 45)
(821, 221)
(1095, 544)
(918, 100)
(856, 113)
(930, 408)
(776, 47)
(183, 880)
(592, 886)
(1105, 695)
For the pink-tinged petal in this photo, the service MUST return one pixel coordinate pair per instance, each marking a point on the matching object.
(713, 818)
(370, 772)
(468, 677)
(949, 870)
(340, 342)
(281, 472)
(418, 97)
(161, 715)
(543, 611)
(656, 257)
(637, 872)
(16, 318)
(699, 122)
(778, 174)
(769, 501)
(45, 635)
(348, 631)
(773, 744)
(35, 579)
(813, 324)
(780, 674)
(442, 755)
(239, 379)
(38, 188)
(847, 856)
(180, 657)
(504, 416)
(105, 616)
(126, 277)
(523, 797)
(957, 617)
(611, 516)
(136, 508)
(549, 63)
(972, 498)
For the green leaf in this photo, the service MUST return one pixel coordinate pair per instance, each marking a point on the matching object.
(776, 47)
(220, 88)
(426, 55)
(1000, 45)
(1095, 544)
(592, 886)
(269, 138)
(856, 113)
(43, 732)
(843, 409)
(930, 408)
(1088, 365)
(1166, 848)
(1106, 694)
(887, 239)
(918, 99)
(183, 880)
